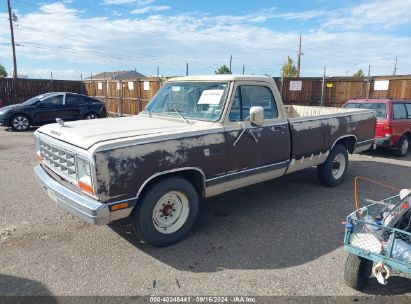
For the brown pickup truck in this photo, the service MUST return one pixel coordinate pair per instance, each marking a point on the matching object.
(199, 136)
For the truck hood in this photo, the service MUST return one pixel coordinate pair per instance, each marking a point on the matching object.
(87, 133)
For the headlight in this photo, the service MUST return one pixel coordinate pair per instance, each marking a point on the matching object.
(3, 112)
(38, 153)
(84, 175)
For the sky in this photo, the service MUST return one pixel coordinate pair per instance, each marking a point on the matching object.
(74, 38)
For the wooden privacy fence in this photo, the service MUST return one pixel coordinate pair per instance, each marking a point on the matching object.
(335, 91)
(19, 90)
(124, 97)
(129, 97)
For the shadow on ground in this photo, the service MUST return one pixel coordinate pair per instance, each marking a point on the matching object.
(12, 286)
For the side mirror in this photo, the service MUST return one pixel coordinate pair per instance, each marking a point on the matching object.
(257, 116)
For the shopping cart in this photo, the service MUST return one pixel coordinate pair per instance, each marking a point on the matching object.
(378, 240)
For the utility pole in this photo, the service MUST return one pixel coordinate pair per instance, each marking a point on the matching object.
(12, 41)
(231, 60)
(323, 87)
(395, 66)
(158, 71)
(243, 69)
(367, 93)
(299, 58)
(187, 69)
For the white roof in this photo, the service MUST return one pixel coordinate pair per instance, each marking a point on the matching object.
(223, 77)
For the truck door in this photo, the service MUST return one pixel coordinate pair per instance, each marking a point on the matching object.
(261, 152)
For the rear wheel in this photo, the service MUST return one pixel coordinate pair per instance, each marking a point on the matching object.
(357, 271)
(20, 122)
(332, 172)
(91, 116)
(403, 145)
(167, 211)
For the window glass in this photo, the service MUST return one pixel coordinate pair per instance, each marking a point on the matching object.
(251, 96)
(192, 100)
(379, 108)
(72, 99)
(53, 101)
(408, 105)
(399, 111)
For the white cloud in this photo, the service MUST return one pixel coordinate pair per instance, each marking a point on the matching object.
(139, 2)
(56, 33)
(150, 9)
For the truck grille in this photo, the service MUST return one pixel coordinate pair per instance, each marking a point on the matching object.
(59, 160)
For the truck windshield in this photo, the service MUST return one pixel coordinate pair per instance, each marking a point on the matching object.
(191, 100)
(379, 108)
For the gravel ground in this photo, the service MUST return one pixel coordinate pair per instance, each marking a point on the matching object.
(282, 237)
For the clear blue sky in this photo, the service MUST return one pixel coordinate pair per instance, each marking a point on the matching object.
(73, 37)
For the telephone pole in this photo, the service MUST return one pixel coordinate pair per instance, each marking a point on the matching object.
(299, 58)
(243, 69)
(187, 69)
(12, 41)
(395, 67)
(231, 59)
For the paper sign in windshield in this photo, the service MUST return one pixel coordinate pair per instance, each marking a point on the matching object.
(211, 97)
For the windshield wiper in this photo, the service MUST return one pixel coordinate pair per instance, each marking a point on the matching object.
(179, 113)
(149, 112)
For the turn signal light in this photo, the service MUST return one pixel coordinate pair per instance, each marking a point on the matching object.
(86, 188)
(119, 206)
(38, 158)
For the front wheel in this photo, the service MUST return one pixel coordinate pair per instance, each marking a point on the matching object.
(20, 122)
(332, 172)
(167, 211)
(357, 271)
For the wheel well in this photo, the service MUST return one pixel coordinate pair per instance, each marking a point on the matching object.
(408, 134)
(14, 115)
(193, 176)
(348, 142)
(91, 112)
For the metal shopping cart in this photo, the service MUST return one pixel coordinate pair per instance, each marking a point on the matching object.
(378, 240)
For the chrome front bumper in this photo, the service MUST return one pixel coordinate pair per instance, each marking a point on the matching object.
(77, 204)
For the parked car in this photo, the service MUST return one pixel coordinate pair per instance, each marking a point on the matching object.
(393, 128)
(46, 108)
(199, 136)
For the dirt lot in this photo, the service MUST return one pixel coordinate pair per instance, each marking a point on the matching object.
(282, 237)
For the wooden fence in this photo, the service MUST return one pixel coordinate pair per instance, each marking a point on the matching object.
(335, 91)
(129, 97)
(124, 97)
(13, 92)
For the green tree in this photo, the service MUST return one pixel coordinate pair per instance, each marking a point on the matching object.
(359, 73)
(289, 69)
(3, 72)
(223, 70)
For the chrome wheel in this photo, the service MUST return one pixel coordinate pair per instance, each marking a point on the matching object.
(171, 212)
(338, 166)
(404, 146)
(91, 116)
(20, 123)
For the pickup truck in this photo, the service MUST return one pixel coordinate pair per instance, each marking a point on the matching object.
(198, 137)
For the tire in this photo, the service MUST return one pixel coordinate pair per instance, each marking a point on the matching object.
(402, 146)
(153, 220)
(332, 172)
(357, 271)
(91, 115)
(20, 122)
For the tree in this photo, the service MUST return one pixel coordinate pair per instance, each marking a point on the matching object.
(223, 70)
(3, 72)
(289, 69)
(359, 73)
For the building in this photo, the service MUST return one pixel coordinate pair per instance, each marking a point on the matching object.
(117, 75)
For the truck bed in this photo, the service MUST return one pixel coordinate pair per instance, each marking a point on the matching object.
(314, 130)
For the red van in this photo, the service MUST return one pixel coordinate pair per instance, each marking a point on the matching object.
(393, 127)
